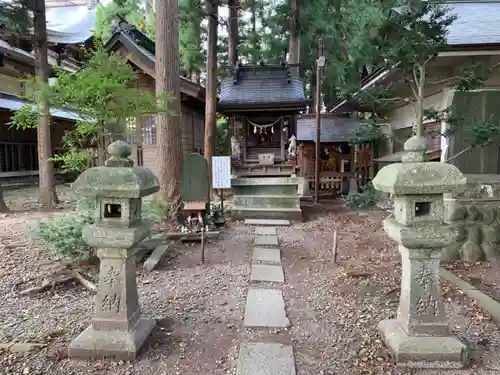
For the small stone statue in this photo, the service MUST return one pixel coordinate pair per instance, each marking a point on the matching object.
(235, 148)
(292, 148)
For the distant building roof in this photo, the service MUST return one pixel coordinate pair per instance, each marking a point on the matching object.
(477, 22)
(70, 24)
(13, 103)
(256, 87)
(333, 128)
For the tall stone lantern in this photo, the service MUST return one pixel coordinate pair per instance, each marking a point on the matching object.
(420, 335)
(118, 329)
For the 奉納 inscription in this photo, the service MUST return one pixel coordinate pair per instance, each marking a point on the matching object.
(424, 277)
(111, 276)
(111, 303)
(427, 306)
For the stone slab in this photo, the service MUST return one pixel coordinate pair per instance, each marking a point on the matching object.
(123, 345)
(423, 351)
(266, 254)
(265, 359)
(265, 231)
(155, 257)
(266, 241)
(270, 222)
(265, 308)
(267, 272)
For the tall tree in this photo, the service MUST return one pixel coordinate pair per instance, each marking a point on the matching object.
(211, 87)
(233, 39)
(294, 48)
(191, 51)
(47, 187)
(169, 139)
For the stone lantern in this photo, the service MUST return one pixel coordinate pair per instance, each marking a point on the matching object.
(420, 335)
(118, 329)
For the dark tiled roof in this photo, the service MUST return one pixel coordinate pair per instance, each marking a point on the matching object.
(137, 42)
(262, 85)
(333, 128)
(477, 22)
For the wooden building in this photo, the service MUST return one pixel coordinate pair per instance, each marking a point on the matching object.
(139, 50)
(463, 48)
(262, 103)
(18, 148)
(340, 159)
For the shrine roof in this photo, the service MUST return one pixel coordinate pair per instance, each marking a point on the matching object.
(333, 128)
(137, 43)
(260, 87)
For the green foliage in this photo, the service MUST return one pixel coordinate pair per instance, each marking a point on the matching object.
(131, 10)
(222, 137)
(368, 131)
(102, 92)
(365, 198)
(63, 235)
(215, 215)
(15, 17)
(156, 213)
(412, 37)
(24, 118)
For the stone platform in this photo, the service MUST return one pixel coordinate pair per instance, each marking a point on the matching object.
(266, 197)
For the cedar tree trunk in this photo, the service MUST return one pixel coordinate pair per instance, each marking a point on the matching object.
(211, 90)
(233, 32)
(47, 188)
(169, 133)
(294, 47)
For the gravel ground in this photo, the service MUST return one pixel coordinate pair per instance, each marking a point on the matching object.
(482, 275)
(334, 308)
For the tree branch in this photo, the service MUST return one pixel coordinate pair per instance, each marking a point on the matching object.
(467, 149)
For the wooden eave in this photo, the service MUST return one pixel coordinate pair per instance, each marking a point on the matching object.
(295, 106)
(122, 45)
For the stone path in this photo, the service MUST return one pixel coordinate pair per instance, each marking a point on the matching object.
(265, 306)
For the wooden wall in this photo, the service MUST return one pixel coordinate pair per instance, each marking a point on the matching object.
(192, 126)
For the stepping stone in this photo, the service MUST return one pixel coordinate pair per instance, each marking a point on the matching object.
(265, 308)
(270, 222)
(267, 272)
(265, 241)
(265, 359)
(264, 254)
(265, 231)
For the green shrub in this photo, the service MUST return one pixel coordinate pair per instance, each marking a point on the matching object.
(366, 197)
(155, 213)
(63, 235)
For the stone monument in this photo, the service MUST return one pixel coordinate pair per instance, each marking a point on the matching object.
(420, 335)
(118, 330)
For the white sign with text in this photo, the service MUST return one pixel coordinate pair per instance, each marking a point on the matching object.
(221, 172)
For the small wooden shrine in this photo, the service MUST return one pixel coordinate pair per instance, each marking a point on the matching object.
(340, 159)
(262, 103)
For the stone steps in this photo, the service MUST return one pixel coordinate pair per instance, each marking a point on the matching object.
(265, 359)
(241, 212)
(265, 308)
(267, 222)
(267, 201)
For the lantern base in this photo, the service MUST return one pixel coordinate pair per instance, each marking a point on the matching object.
(123, 345)
(422, 351)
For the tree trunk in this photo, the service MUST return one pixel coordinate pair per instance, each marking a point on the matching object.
(294, 45)
(47, 189)
(169, 133)
(255, 42)
(233, 32)
(211, 90)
